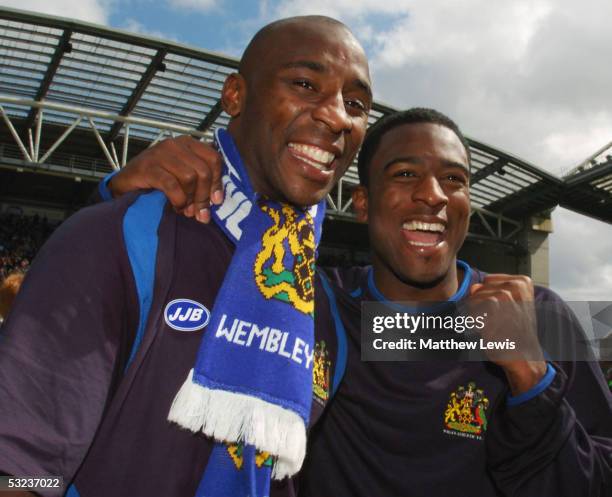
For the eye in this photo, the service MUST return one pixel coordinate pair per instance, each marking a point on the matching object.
(404, 173)
(303, 83)
(456, 178)
(356, 104)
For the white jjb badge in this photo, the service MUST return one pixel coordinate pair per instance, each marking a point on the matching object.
(186, 315)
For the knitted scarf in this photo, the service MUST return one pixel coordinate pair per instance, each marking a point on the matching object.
(251, 386)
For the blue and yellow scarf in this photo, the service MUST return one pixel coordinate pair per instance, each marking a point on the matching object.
(251, 386)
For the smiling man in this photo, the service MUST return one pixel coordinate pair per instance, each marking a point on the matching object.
(305, 119)
(105, 371)
(492, 428)
(414, 194)
(501, 427)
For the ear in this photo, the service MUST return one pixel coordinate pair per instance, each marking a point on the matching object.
(233, 94)
(360, 203)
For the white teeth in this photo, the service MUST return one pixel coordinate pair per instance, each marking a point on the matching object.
(420, 226)
(316, 165)
(422, 244)
(314, 153)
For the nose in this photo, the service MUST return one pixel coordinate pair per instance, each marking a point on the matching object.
(332, 112)
(430, 192)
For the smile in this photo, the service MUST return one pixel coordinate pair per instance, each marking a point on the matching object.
(313, 156)
(422, 234)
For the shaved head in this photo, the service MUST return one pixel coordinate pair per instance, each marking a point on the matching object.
(267, 37)
(298, 106)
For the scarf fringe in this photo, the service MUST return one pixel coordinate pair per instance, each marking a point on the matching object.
(235, 417)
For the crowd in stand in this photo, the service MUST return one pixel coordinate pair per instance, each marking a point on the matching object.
(20, 239)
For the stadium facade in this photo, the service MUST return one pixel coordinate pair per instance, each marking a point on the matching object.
(79, 100)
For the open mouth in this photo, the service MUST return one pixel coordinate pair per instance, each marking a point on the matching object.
(314, 156)
(422, 234)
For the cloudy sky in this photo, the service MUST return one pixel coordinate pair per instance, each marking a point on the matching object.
(532, 77)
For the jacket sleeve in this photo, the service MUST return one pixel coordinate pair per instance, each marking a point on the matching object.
(558, 443)
(62, 346)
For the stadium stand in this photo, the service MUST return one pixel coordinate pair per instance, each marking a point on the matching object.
(20, 238)
(79, 100)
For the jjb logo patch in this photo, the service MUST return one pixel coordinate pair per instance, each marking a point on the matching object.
(186, 315)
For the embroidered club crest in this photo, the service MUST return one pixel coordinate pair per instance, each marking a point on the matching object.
(465, 413)
(320, 372)
(284, 268)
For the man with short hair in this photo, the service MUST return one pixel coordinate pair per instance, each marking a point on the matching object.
(507, 426)
(109, 320)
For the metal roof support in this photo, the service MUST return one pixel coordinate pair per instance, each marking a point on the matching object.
(343, 208)
(158, 138)
(20, 144)
(126, 138)
(524, 190)
(495, 166)
(31, 142)
(167, 127)
(499, 220)
(589, 175)
(157, 64)
(525, 166)
(116, 35)
(39, 120)
(331, 203)
(103, 146)
(486, 224)
(211, 117)
(587, 163)
(59, 141)
(546, 195)
(114, 151)
(64, 46)
(336, 206)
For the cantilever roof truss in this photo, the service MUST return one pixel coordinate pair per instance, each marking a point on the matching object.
(136, 85)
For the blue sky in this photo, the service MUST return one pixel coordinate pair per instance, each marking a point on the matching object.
(525, 76)
(218, 28)
(221, 26)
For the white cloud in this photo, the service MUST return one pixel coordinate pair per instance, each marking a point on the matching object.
(585, 141)
(521, 75)
(341, 9)
(199, 5)
(136, 26)
(356, 14)
(96, 11)
(581, 267)
(530, 77)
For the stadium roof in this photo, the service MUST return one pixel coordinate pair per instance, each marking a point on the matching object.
(70, 89)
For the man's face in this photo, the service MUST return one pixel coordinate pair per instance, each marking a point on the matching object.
(418, 204)
(305, 112)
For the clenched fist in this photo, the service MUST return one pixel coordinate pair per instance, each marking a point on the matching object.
(508, 301)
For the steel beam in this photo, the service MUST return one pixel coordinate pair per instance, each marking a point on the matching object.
(116, 35)
(494, 167)
(211, 117)
(64, 46)
(157, 64)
